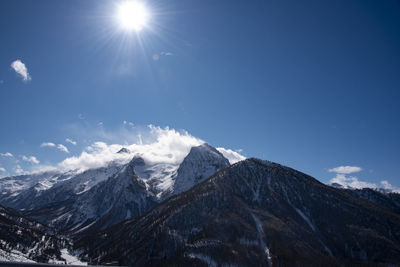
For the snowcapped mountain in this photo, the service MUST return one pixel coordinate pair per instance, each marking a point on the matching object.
(254, 213)
(61, 186)
(98, 198)
(201, 162)
(11, 186)
(199, 210)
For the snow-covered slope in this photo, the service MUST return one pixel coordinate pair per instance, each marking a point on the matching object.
(122, 196)
(62, 186)
(24, 240)
(13, 185)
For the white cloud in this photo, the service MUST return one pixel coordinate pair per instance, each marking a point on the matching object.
(62, 148)
(21, 69)
(7, 154)
(231, 155)
(345, 169)
(31, 159)
(2, 169)
(47, 144)
(157, 145)
(351, 182)
(154, 144)
(346, 181)
(386, 185)
(70, 141)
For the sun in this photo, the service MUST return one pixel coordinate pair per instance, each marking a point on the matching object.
(132, 15)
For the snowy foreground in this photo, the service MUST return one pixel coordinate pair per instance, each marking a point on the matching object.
(17, 256)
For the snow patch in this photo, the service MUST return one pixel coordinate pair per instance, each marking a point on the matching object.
(14, 255)
(305, 218)
(71, 259)
(262, 242)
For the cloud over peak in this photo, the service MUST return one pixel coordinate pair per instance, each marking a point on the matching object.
(155, 145)
(21, 69)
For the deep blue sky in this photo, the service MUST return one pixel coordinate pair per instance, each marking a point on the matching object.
(310, 84)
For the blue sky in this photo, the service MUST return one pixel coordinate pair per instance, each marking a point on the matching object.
(313, 84)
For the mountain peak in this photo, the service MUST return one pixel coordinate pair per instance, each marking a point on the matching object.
(124, 150)
(201, 162)
(137, 161)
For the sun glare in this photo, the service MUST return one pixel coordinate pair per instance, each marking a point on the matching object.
(132, 15)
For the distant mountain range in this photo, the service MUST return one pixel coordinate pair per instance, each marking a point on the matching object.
(202, 211)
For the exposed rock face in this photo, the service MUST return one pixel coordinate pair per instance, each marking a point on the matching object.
(254, 213)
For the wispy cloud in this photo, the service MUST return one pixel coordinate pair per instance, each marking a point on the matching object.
(47, 144)
(2, 169)
(346, 169)
(7, 154)
(21, 69)
(70, 141)
(30, 159)
(60, 147)
(231, 155)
